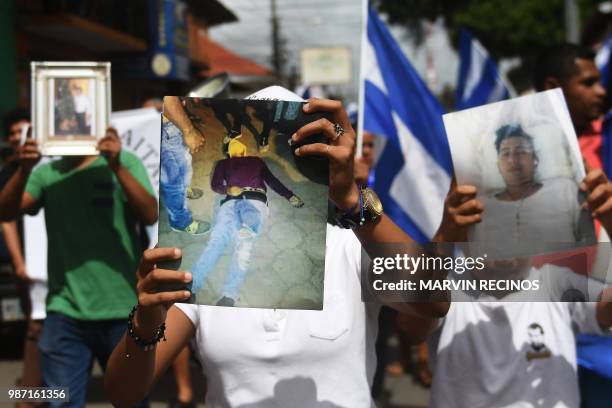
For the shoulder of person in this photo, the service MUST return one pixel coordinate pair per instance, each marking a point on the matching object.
(129, 157)
(57, 165)
(560, 183)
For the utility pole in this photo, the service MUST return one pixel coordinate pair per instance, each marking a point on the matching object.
(572, 23)
(277, 56)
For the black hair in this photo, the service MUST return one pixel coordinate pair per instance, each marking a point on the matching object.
(508, 131)
(536, 326)
(13, 116)
(559, 62)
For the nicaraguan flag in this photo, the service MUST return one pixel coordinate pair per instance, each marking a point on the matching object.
(479, 80)
(414, 169)
(602, 60)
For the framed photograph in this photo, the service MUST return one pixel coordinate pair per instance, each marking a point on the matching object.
(70, 106)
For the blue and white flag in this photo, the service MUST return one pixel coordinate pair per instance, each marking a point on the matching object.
(602, 60)
(414, 170)
(479, 80)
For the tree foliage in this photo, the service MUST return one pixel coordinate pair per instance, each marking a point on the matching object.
(505, 27)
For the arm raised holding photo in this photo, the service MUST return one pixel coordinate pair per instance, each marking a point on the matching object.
(345, 194)
(139, 199)
(598, 190)
(132, 370)
(461, 210)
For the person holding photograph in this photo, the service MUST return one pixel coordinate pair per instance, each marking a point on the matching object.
(92, 205)
(523, 352)
(12, 232)
(572, 68)
(264, 357)
(517, 213)
(243, 180)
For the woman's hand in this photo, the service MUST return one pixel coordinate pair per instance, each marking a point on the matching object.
(461, 209)
(340, 151)
(154, 305)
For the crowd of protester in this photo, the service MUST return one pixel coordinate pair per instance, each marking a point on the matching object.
(97, 272)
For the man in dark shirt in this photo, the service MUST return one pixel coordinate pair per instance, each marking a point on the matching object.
(243, 180)
(12, 232)
(13, 123)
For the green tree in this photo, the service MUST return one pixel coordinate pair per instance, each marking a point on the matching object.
(64, 103)
(505, 27)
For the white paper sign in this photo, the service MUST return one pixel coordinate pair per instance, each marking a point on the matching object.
(139, 130)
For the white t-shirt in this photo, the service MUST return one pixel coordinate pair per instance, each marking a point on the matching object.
(294, 358)
(552, 214)
(515, 354)
(81, 104)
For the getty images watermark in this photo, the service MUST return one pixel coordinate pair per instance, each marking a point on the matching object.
(458, 265)
(465, 272)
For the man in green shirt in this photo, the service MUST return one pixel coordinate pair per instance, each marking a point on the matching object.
(92, 205)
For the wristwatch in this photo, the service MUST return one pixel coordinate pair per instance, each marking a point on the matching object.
(368, 209)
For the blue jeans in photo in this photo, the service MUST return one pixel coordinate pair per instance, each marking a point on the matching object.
(237, 222)
(175, 176)
(67, 349)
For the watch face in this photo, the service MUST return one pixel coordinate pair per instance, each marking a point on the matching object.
(373, 201)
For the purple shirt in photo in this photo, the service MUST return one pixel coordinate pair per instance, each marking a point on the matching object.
(250, 171)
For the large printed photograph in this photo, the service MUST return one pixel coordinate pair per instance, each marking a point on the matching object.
(523, 157)
(535, 238)
(249, 215)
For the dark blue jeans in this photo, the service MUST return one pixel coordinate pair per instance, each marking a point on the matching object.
(67, 349)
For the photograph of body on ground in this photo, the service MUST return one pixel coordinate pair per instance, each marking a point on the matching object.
(245, 211)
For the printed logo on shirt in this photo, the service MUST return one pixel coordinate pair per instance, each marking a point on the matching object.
(537, 347)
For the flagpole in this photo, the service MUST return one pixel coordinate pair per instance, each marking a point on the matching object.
(362, 64)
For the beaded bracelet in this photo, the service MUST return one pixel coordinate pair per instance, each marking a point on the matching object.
(144, 344)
